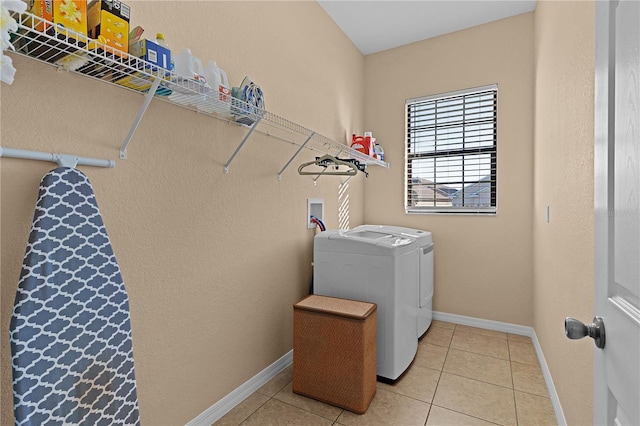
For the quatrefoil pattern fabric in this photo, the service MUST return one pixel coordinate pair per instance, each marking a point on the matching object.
(71, 345)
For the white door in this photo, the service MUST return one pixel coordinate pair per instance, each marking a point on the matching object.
(617, 210)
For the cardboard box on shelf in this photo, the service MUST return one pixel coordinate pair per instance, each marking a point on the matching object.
(42, 9)
(152, 52)
(112, 24)
(77, 16)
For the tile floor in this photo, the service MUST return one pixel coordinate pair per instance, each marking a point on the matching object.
(460, 376)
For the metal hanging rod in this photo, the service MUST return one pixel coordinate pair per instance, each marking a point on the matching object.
(63, 160)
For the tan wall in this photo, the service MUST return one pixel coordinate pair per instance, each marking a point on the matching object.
(212, 262)
(564, 247)
(483, 264)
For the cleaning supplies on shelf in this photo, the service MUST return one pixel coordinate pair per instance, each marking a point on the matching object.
(156, 53)
(160, 41)
(189, 66)
(358, 143)
(379, 151)
(367, 145)
(219, 99)
(189, 84)
(369, 141)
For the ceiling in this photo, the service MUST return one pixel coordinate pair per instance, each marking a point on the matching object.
(376, 25)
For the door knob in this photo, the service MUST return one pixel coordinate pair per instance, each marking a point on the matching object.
(575, 329)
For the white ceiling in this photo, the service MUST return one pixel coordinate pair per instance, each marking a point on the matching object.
(376, 25)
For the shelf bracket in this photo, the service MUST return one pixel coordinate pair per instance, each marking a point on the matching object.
(244, 140)
(296, 154)
(147, 100)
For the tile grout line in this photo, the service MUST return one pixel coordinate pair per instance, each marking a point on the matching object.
(256, 410)
(311, 412)
(440, 376)
(264, 403)
(469, 378)
(477, 353)
(513, 383)
(468, 415)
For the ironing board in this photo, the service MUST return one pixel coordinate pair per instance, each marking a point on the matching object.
(71, 345)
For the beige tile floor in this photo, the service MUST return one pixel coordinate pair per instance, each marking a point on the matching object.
(460, 376)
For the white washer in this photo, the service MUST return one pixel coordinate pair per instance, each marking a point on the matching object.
(377, 267)
(425, 264)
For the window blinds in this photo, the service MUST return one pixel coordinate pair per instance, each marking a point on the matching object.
(451, 152)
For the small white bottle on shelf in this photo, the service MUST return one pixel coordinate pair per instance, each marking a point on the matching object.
(160, 41)
(379, 152)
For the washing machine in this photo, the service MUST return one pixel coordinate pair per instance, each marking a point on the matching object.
(424, 298)
(378, 267)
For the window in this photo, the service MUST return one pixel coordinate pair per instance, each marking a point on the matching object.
(451, 152)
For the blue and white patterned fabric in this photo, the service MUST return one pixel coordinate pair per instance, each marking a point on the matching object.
(71, 345)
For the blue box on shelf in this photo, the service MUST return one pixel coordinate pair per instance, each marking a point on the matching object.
(152, 53)
(156, 58)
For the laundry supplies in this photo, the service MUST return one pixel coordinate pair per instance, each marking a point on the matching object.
(219, 98)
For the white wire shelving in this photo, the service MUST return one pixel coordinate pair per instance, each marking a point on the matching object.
(44, 41)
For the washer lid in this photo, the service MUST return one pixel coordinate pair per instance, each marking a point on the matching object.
(423, 237)
(364, 242)
(380, 238)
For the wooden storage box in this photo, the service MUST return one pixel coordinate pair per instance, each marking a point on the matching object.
(334, 351)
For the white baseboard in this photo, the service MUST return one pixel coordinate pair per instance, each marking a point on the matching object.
(513, 329)
(226, 404)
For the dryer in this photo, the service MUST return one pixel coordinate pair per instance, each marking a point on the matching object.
(424, 297)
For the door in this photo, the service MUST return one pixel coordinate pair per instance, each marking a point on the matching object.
(617, 211)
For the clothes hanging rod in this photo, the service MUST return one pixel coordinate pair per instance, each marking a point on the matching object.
(63, 160)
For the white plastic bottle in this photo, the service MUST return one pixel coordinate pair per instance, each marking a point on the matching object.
(379, 151)
(217, 79)
(160, 41)
(189, 87)
(189, 66)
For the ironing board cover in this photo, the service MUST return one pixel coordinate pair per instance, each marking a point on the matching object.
(71, 345)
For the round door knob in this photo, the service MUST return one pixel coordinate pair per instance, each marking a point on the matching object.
(575, 329)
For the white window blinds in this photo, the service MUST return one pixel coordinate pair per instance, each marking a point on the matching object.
(451, 152)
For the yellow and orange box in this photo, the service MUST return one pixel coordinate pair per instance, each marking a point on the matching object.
(104, 20)
(77, 16)
(112, 27)
(42, 9)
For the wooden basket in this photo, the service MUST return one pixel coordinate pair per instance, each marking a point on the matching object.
(334, 351)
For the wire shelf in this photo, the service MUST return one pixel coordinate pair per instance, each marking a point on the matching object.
(47, 42)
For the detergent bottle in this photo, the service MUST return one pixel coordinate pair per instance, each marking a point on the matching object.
(189, 66)
(369, 141)
(358, 143)
(217, 80)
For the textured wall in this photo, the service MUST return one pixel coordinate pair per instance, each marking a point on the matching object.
(483, 264)
(563, 248)
(212, 262)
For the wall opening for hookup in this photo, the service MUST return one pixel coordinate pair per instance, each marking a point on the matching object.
(315, 208)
